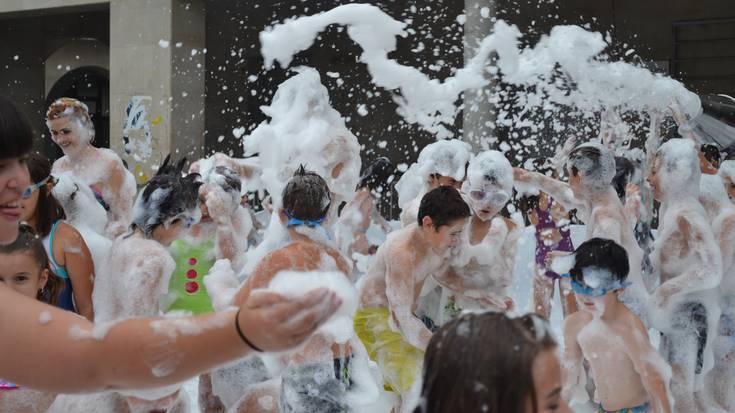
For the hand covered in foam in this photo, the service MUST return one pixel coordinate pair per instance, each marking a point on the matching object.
(220, 204)
(274, 322)
(293, 284)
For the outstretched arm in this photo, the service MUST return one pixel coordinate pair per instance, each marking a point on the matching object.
(685, 129)
(560, 191)
(50, 349)
(649, 365)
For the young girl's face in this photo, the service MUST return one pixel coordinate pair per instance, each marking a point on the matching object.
(547, 383)
(21, 272)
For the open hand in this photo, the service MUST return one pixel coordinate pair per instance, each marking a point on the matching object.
(274, 322)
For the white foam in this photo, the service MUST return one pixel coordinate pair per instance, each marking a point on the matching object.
(296, 283)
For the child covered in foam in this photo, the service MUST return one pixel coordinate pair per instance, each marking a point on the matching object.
(628, 373)
(687, 265)
(486, 256)
(314, 378)
(137, 272)
(442, 163)
(720, 381)
(362, 212)
(591, 168)
(303, 129)
(388, 322)
(101, 169)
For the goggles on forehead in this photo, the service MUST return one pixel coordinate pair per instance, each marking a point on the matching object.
(31, 189)
(494, 197)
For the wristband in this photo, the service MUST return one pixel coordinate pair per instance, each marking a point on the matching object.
(242, 336)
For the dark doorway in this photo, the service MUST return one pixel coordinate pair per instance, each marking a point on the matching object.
(90, 85)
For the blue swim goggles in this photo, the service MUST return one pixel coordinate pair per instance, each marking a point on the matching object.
(31, 189)
(307, 222)
(583, 289)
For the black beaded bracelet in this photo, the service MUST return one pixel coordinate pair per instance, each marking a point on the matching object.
(242, 336)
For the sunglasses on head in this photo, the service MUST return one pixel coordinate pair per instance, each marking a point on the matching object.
(29, 191)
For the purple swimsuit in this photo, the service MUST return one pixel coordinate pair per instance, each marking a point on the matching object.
(545, 222)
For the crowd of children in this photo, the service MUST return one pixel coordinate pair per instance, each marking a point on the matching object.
(646, 327)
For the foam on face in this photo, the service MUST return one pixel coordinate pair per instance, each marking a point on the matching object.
(444, 157)
(489, 171)
(597, 174)
(712, 194)
(678, 168)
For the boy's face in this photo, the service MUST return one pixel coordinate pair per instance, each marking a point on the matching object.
(445, 237)
(596, 305)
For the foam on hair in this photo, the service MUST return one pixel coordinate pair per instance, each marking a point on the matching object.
(679, 167)
(595, 163)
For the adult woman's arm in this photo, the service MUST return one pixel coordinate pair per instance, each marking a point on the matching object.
(54, 350)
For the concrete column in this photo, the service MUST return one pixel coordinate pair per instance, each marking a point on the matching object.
(478, 114)
(155, 71)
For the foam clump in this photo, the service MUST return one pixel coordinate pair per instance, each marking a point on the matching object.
(679, 166)
(576, 53)
(305, 130)
(443, 157)
(297, 283)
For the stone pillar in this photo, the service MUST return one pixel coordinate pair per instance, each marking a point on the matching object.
(155, 73)
(478, 114)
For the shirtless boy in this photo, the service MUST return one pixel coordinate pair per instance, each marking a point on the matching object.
(591, 170)
(629, 375)
(310, 374)
(687, 263)
(395, 337)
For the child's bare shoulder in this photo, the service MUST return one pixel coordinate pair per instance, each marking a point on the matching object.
(628, 322)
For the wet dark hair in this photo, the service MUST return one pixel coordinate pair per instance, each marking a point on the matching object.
(483, 362)
(182, 194)
(16, 134)
(232, 182)
(305, 194)
(582, 152)
(623, 172)
(600, 253)
(711, 154)
(375, 177)
(29, 242)
(48, 209)
(443, 205)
